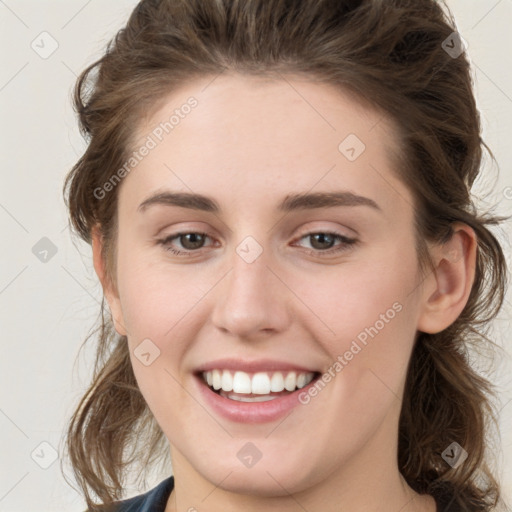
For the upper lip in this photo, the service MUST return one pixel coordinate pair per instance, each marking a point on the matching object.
(260, 365)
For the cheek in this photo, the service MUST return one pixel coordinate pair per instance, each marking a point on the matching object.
(368, 318)
(154, 295)
(360, 294)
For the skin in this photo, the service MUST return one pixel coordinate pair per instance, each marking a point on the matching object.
(267, 139)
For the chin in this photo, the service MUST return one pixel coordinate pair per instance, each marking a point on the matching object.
(262, 484)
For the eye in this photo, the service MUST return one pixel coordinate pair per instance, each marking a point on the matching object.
(195, 242)
(322, 243)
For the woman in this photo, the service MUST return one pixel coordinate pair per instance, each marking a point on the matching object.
(278, 199)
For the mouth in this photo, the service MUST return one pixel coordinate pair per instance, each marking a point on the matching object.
(255, 386)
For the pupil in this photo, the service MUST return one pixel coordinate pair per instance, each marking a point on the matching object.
(195, 243)
(322, 237)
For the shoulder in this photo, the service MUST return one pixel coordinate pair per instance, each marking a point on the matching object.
(154, 500)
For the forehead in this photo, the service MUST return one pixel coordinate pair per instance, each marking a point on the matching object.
(257, 136)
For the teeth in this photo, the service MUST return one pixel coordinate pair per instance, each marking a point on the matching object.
(260, 383)
(277, 382)
(239, 398)
(241, 383)
(227, 381)
(216, 379)
(290, 381)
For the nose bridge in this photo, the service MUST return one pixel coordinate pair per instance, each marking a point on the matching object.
(250, 298)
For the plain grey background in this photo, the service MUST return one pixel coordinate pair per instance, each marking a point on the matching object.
(47, 307)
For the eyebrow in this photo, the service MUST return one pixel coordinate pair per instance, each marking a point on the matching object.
(293, 202)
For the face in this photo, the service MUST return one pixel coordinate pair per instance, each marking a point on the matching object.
(265, 280)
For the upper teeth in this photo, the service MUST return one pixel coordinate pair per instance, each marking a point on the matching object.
(260, 383)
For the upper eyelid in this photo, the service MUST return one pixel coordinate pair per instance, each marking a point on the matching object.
(302, 232)
(306, 232)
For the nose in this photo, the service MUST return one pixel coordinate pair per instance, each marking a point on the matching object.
(251, 300)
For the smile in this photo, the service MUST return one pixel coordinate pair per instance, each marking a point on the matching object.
(255, 387)
(273, 396)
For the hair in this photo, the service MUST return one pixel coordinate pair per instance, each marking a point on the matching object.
(390, 56)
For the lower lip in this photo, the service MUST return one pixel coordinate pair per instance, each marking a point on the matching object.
(251, 412)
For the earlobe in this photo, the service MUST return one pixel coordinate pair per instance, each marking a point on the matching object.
(447, 289)
(109, 291)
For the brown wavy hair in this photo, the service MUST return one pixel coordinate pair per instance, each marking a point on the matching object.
(390, 55)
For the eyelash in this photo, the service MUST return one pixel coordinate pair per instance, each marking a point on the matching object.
(347, 243)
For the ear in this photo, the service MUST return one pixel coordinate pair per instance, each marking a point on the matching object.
(109, 290)
(447, 289)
